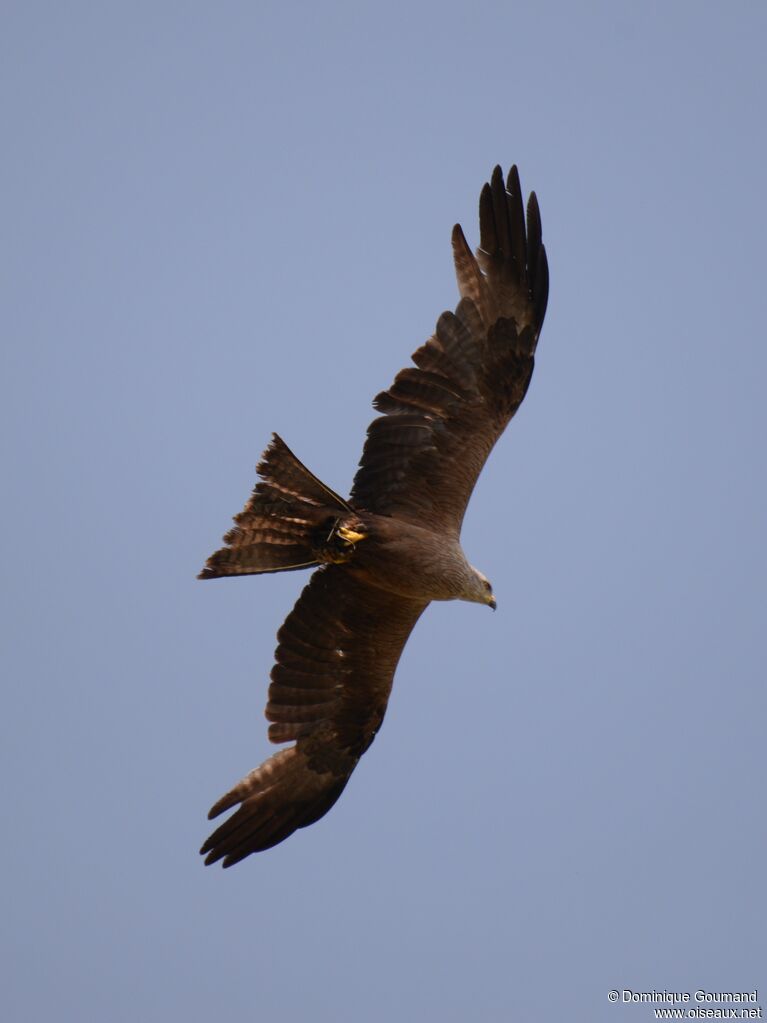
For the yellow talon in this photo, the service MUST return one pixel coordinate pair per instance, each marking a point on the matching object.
(350, 535)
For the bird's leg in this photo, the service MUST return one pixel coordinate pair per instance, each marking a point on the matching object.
(340, 542)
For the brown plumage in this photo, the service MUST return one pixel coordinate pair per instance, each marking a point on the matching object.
(394, 546)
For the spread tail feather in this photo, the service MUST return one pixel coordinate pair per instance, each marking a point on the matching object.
(288, 519)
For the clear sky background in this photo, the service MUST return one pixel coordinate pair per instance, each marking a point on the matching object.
(221, 220)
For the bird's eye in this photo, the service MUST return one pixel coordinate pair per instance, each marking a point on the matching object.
(487, 585)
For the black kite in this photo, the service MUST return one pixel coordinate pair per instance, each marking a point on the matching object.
(394, 546)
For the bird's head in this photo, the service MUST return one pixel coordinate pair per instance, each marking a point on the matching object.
(481, 589)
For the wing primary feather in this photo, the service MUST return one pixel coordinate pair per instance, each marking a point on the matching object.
(534, 236)
(488, 238)
(471, 284)
(517, 223)
(541, 295)
(501, 214)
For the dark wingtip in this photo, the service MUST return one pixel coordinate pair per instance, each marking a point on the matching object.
(541, 293)
(222, 805)
(512, 181)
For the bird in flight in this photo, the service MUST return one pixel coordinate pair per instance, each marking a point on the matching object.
(394, 546)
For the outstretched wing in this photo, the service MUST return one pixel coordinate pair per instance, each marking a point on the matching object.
(442, 417)
(335, 662)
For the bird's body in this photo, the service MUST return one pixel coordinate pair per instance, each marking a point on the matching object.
(394, 546)
(412, 561)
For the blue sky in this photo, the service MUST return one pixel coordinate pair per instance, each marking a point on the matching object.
(223, 220)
